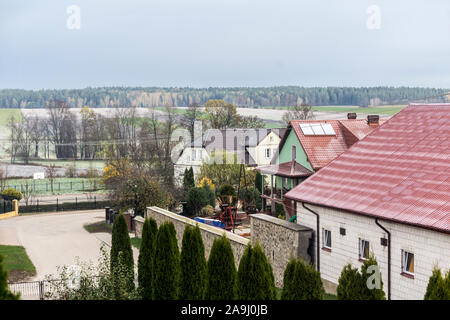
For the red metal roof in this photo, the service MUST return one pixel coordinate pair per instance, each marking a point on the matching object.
(320, 150)
(400, 172)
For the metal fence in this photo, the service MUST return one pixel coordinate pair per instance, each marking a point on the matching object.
(57, 186)
(64, 204)
(34, 290)
(5, 206)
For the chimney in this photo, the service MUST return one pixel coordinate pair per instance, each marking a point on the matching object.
(373, 119)
(351, 115)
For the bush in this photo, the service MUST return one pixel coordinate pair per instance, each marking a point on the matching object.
(192, 265)
(353, 285)
(5, 294)
(255, 280)
(221, 271)
(166, 264)
(207, 210)
(375, 293)
(145, 260)
(11, 194)
(96, 282)
(438, 287)
(188, 180)
(70, 172)
(251, 196)
(197, 198)
(226, 193)
(302, 282)
(121, 250)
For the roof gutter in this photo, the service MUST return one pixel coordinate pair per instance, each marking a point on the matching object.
(317, 232)
(389, 256)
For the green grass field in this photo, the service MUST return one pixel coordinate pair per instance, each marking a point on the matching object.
(60, 186)
(17, 263)
(5, 115)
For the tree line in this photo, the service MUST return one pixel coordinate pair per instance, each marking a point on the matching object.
(243, 97)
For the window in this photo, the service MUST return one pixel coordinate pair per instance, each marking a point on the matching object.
(326, 239)
(407, 262)
(193, 155)
(363, 249)
(267, 153)
(199, 156)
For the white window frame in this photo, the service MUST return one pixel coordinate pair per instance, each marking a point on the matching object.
(362, 248)
(326, 234)
(265, 153)
(405, 255)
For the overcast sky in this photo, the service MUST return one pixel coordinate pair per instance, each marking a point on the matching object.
(203, 43)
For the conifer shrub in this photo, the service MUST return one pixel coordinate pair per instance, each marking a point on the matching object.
(145, 260)
(166, 264)
(255, 280)
(121, 243)
(438, 287)
(302, 282)
(192, 265)
(221, 271)
(5, 294)
(375, 293)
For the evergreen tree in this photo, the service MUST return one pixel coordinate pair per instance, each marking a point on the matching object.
(192, 265)
(121, 243)
(145, 260)
(258, 182)
(367, 293)
(166, 264)
(288, 277)
(303, 282)
(255, 276)
(350, 284)
(438, 286)
(188, 180)
(221, 277)
(5, 294)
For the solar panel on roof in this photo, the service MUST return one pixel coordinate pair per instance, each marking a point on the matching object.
(328, 129)
(306, 129)
(317, 129)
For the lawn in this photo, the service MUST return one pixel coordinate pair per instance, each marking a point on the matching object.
(5, 114)
(96, 227)
(17, 263)
(60, 186)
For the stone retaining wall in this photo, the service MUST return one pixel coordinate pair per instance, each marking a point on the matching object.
(279, 239)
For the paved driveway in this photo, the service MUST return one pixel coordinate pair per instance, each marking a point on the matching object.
(55, 239)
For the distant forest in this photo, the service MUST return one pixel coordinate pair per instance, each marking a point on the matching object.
(241, 97)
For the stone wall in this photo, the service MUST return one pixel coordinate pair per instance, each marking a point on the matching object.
(280, 241)
(209, 233)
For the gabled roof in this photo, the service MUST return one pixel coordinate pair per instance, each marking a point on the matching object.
(399, 172)
(235, 140)
(291, 169)
(322, 149)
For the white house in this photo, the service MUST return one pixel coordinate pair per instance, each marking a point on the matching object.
(389, 195)
(251, 146)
